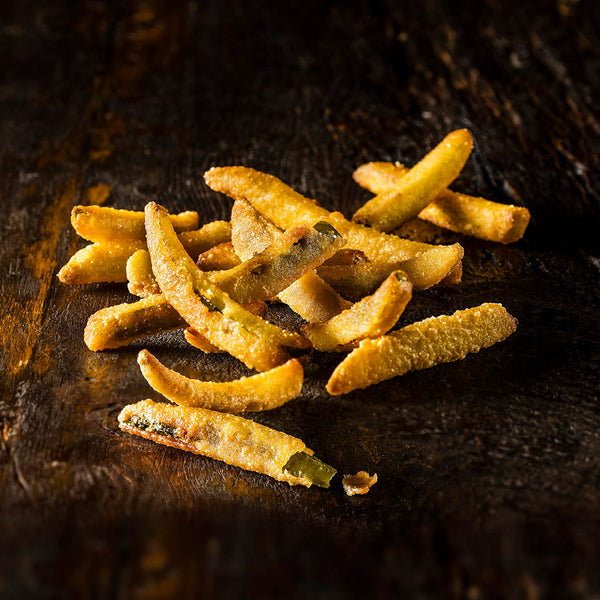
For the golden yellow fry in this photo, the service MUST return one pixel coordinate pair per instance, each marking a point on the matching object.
(140, 279)
(421, 345)
(372, 317)
(119, 325)
(98, 263)
(313, 299)
(264, 391)
(284, 207)
(461, 213)
(117, 226)
(419, 186)
(229, 438)
(206, 308)
(218, 258)
(291, 255)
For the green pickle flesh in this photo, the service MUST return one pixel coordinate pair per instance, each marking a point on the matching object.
(305, 465)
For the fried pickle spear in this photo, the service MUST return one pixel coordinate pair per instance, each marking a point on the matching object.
(371, 317)
(421, 345)
(210, 311)
(309, 296)
(263, 391)
(293, 253)
(419, 186)
(229, 438)
(285, 207)
(469, 215)
(117, 226)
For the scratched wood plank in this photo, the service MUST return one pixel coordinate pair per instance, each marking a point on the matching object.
(488, 468)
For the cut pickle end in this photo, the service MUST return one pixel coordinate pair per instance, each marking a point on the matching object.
(305, 465)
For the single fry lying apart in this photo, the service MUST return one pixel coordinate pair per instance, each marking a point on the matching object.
(206, 308)
(229, 438)
(118, 226)
(263, 391)
(421, 345)
(360, 483)
(372, 317)
(120, 325)
(419, 186)
(464, 214)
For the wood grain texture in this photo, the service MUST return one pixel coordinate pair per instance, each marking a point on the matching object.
(489, 469)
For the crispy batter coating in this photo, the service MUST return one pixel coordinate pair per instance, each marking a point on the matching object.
(371, 317)
(118, 226)
(419, 186)
(263, 391)
(421, 345)
(360, 483)
(229, 438)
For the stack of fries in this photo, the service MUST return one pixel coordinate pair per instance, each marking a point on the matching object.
(349, 280)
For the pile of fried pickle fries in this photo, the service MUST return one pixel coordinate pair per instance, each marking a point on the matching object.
(349, 281)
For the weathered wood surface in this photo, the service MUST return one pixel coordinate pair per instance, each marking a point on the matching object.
(489, 469)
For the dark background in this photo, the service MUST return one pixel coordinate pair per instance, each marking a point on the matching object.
(489, 469)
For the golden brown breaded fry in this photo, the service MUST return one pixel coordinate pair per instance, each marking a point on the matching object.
(117, 226)
(310, 297)
(292, 254)
(439, 265)
(371, 317)
(98, 263)
(251, 233)
(419, 186)
(119, 325)
(421, 345)
(229, 438)
(264, 391)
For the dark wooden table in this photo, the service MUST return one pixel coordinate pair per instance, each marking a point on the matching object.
(489, 469)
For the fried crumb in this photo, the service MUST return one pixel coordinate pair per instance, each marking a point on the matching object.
(358, 484)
